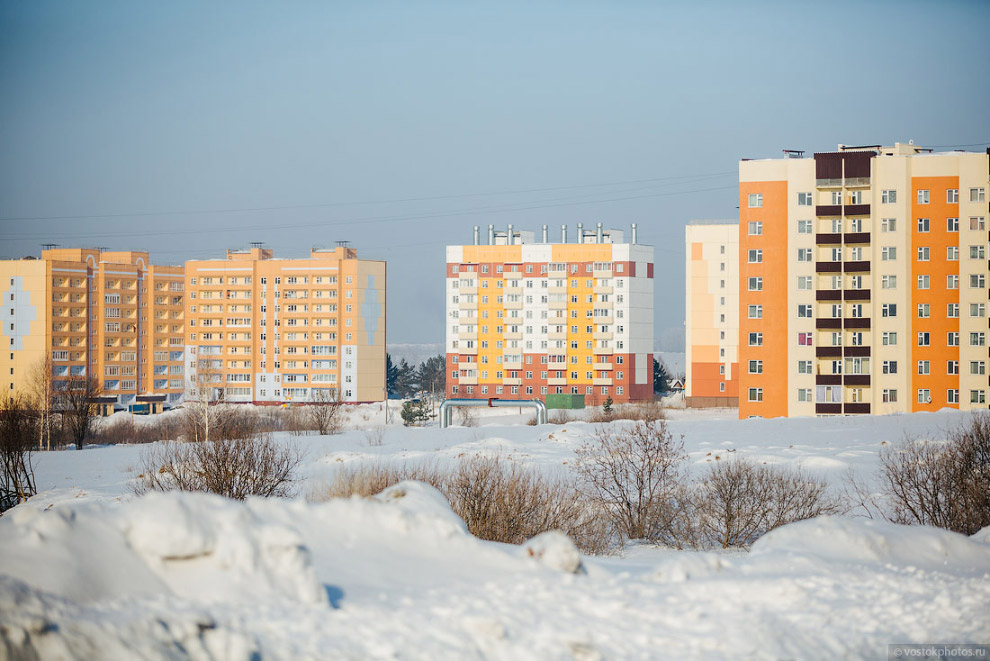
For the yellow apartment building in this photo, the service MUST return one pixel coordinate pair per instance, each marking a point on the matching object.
(862, 282)
(528, 318)
(273, 331)
(111, 315)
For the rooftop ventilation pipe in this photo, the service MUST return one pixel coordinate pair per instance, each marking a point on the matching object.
(545, 234)
(635, 235)
(508, 241)
(491, 235)
(598, 233)
(477, 234)
(563, 233)
(580, 236)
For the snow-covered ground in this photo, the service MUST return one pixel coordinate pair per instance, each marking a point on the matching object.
(89, 571)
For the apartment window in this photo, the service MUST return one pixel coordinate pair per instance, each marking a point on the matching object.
(804, 339)
(804, 282)
(977, 281)
(755, 229)
(924, 311)
(856, 197)
(888, 197)
(856, 254)
(952, 196)
(805, 311)
(836, 197)
(924, 396)
(952, 253)
(755, 284)
(976, 195)
(923, 196)
(924, 367)
(924, 281)
(977, 309)
(952, 396)
(836, 254)
(755, 200)
(977, 367)
(804, 394)
(755, 256)
(856, 282)
(977, 222)
(756, 339)
(836, 367)
(805, 227)
(857, 339)
(756, 367)
(951, 224)
(977, 339)
(952, 281)
(888, 310)
(924, 339)
(977, 252)
(888, 253)
(924, 225)
(889, 395)
(756, 394)
(805, 367)
(977, 396)
(755, 311)
(924, 253)
(952, 367)
(889, 367)
(952, 339)
(804, 254)
(888, 225)
(857, 310)
(805, 199)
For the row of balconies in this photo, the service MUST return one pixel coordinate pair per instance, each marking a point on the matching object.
(836, 324)
(846, 237)
(840, 294)
(840, 267)
(842, 210)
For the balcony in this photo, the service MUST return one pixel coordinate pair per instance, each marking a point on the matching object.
(828, 352)
(828, 295)
(468, 380)
(512, 336)
(828, 239)
(601, 274)
(556, 290)
(828, 267)
(828, 380)
(856, 379)
(601, 382)
(856, 237)
(601, 336)
(833, 324)
(512, 382)
(828, 210)
(513, 305)
(556, 336)
(598, 289)
(858, 322)
(467, 290)
(828, 183)
(601, 366)
(557, 305)
(857, 209)
(857, 294)
(513, 291)
(507, 366)
(858, 408)
(557, 382)
(856, 267)
(857, 351)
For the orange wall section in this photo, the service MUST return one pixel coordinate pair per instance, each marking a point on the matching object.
(938, 325)
(773, 298)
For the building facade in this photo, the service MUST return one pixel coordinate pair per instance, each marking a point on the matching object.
(712, 314)
(526, 319)
(863, 282)
(274, 331)
(109, 315)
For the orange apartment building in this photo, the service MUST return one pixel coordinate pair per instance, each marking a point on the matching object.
(862, 284)
(526, 319)
(273, 331)
(111, 315)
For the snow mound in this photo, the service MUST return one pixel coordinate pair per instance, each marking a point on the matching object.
(866, 542)
(982, 536)
(421, 504)
(555, 550)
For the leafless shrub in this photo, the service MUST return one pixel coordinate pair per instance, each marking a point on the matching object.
(739, 500)
(467, 416)
(231, 467)
(531, 421)
(940, 484)
(645, 411)
(635, 475)
(324, 412)
(375, 436)
(128, 430)
(558, 416)
(18, 436)
(498, 499)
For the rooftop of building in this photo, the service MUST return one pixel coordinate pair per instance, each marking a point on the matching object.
(898, 149)
(590, 235)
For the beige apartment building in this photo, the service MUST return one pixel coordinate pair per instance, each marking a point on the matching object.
(114, 316)
(862, 283)
(273, 331)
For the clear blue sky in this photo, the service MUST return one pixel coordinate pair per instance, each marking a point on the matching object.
(303, 123)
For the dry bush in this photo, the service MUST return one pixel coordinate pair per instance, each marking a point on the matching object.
(325, 413)
(739, 500)
(635, 475)
(231, 467)
(645, 411)
(18, 436)
(946, 485)
(375, 436)
(467, 416)
(127, 431)
(498, 499)
(558, 416)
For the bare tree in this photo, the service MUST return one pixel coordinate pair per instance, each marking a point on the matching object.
(17, 433)
(206, 402)
(77, 402)
(41, 390)
(635, 473)
(325, 411)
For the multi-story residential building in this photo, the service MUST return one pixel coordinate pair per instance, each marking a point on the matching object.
(526, 319)
(712, 314)
(269, 331)
(110, 315)
(871, 273)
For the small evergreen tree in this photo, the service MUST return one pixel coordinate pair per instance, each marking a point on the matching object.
(607, 406)
(414, 412)
(660, 377)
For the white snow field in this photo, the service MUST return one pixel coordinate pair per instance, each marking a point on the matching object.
(89, 571)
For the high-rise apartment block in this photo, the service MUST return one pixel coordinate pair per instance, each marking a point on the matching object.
(526, 319)
(267, 330)
(113, 316)
(862, 284)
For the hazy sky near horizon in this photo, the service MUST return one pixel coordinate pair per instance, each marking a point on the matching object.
(186, 128)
